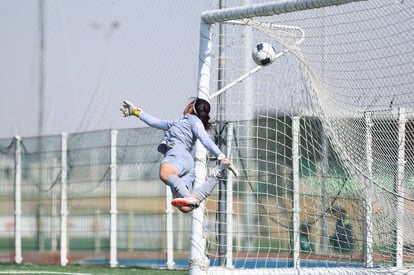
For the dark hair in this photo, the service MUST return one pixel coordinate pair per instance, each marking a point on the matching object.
(202, 110)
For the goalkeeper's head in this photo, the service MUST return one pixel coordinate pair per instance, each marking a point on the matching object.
(200, 108)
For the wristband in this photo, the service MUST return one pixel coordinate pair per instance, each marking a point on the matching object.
(221, 156)
(136, 112)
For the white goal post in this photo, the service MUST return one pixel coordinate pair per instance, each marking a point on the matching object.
(318, 136)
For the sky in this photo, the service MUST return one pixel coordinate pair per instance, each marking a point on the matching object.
(96, 54)
(99, 52)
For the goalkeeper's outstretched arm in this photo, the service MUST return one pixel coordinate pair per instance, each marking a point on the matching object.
(128, 109)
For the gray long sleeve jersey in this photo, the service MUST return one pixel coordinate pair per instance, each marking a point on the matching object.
(182, 132)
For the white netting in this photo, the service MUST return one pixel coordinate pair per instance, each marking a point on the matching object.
(349, 77)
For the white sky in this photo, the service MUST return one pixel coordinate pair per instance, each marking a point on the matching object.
(100, 52)
(97, 53)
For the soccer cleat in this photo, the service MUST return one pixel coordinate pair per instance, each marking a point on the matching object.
(190, 202)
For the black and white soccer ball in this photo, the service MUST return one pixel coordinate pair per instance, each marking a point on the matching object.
(263, 54)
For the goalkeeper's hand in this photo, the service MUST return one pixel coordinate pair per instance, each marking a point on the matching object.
(128, 109)
(233, 169)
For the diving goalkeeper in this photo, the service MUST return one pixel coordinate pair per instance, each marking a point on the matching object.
(177, 167)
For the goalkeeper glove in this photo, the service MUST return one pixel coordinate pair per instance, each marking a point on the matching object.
(221, 157)
(228, 164)
(233, 169)
(128, 109)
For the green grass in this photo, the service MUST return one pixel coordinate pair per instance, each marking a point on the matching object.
(83, 270)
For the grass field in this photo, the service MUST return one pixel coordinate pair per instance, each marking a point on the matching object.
(83, 270)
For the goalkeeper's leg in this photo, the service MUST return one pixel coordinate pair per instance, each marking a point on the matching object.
(202, 191)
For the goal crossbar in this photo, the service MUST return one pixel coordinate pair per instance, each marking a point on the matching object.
(267, 9)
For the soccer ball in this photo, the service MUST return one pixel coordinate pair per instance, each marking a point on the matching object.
(263, 54)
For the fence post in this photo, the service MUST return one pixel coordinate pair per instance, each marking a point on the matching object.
(97, 231)
(399, 190)
(296, 202)
(18, 202)
(229, 202)
(113, 211)
(63, 201)
(325, 196)
(170, 228)
(369, 190)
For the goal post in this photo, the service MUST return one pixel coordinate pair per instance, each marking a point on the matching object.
(321, 138)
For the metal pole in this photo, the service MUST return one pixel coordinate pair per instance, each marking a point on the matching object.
(198, 259)
(63, 201)
(41, 66)
(247, 131)
(368, 192)
(40, 241)
(113, 211)
(170, 229)
(325, 202)
(296, 201)
(18, 202)
(229, 202)
(399, 189)
(325, 164)
(221, 212)
(97, 233)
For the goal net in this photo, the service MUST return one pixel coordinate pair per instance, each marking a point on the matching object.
(322, 138)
